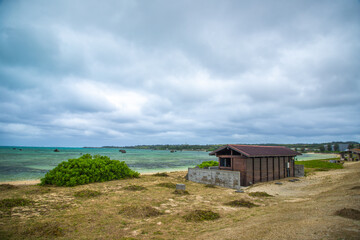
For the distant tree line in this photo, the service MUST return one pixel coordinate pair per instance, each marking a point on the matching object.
(300, 147)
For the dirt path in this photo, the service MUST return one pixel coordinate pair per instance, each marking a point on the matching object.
(304, 210)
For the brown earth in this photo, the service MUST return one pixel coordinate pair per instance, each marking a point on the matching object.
(306, 209)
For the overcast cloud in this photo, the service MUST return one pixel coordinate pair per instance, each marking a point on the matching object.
(94, 73)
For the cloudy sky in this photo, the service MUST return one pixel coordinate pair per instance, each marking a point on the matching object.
(94, 73)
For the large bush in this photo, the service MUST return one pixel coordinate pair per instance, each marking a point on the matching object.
(208, 164)
(87, 169)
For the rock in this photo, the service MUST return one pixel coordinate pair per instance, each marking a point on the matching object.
(56, 150)
(279, 183)
(239, 191)
(122, 151)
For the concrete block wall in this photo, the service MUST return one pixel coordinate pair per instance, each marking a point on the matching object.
(223, 178)
(299, 171)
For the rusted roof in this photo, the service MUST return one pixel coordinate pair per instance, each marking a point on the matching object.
(259, 151)
(356, 150)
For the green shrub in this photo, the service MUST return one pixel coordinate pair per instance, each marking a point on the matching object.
(208, 164)
(87, 169)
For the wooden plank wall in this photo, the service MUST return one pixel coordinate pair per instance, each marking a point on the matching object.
(270, 167)
(263, 170)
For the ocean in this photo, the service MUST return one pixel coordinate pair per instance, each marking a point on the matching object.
(31, 163)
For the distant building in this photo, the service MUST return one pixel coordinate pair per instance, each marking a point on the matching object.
(351, 155)
(343, 146)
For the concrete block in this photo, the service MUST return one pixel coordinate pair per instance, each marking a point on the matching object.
(180, 186)
(299, 170)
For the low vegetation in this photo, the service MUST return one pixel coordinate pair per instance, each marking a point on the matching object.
(163, 174)
(208, 164)
(135, 188)
(9, 203)
(259, 194)
(87, 169)
(349, 213)
(4, 187)
(181, 192)
(201, 215)
(87, 193)
(241, 203)
(47, 229)
(167, 185)
(210, 186)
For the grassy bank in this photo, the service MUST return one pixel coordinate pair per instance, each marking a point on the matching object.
(319, 165)
(143, 208)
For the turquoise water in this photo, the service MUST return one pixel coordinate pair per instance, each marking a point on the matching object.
(34, 162)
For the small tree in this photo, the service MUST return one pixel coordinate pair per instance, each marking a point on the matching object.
(329, 147)
(350, 146)
(322, 148)
(336, 147)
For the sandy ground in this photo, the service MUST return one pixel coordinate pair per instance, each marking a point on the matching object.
(304, 209)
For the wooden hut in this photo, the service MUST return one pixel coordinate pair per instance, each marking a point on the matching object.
(257, 163)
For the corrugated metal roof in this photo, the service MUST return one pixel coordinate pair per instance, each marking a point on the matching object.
(259, 151)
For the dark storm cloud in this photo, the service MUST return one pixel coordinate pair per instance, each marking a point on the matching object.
(143, 72)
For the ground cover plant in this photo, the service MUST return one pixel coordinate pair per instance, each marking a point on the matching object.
(167, 185)
(208, 164)
(181, 192)
(163, 174)
(201, 215)
(87, 169)
(349, 213)
(241, 203)
(4, 187)
(135, 188)
(259, 194)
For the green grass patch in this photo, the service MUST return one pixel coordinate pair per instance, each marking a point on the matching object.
(87, 193)
(320, 164)
(201, 215)
(210, 186)
(259, 194)
(135, 188)
(163, 174)
(241, 203)
(167, 185)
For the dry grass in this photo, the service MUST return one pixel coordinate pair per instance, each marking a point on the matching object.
(163, 174)
(135, 188)
(123, 211)
(87, 193)
(136, 211)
